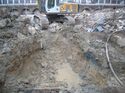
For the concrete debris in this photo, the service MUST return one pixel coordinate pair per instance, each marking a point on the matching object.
(21, 36)
(64, 58)
(31, 30)
(3, 12)
(54, 27)
(3, 23)
(119, 39)
(14, 13)
(70, 20)
(99, 21)
(99, 29)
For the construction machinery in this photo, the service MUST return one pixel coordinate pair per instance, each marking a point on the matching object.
(42, 12)
(58, 10)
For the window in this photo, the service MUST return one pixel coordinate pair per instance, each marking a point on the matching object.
(108, 1)
(94, 1)
(33, 1)
(70, 1)
(15, 1)
(101, 1)
(0, 2)
(10, 1)
(21, 1)
(57, 1)
(121, 2)
(42, 7)
(27, 1)
(51, 3)
(113, 1)
(83, 1)
(4, 1)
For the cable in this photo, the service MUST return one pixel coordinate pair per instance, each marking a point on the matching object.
(108, 59)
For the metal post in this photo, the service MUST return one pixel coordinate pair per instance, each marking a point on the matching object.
(18, 1)
(80, 2)
(1, 1)
(7, 1)
(117, 2)
(110, 1)
(104, 1)
(24, 2)
(13, 2)
(98, 2)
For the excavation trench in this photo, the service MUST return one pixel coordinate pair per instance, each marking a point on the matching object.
(63, 58)
(60, 65)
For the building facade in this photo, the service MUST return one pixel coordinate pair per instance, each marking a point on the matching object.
(34, 2)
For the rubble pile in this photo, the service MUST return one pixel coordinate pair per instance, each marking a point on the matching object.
(63, 58)
(104, 20)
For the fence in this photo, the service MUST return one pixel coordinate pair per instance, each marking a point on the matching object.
(17, 2)
(81, 2)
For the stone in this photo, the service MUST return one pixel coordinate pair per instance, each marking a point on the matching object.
(14, 13)
(31, 30)
(3, 12)
(99, 29)
(121, 42)
(21, 36)
(6, 48)
(89, 29)
(54, 27)
(3, 23)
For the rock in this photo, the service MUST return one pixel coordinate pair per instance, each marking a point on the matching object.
(119, 39)
(21, 36)
(3, 23)
(54, 27)
(89, 29)
(78, 28)
(14, 13)
(3, 12)
(69, 20)
(6, 48)
(23, 18)
(99, 29)
(31, 30)
(99, 18)
(121, 42)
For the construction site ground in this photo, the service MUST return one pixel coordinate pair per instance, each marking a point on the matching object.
(64, 58)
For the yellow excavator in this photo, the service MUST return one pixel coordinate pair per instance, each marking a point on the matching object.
(48, 11)
(58, 10)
